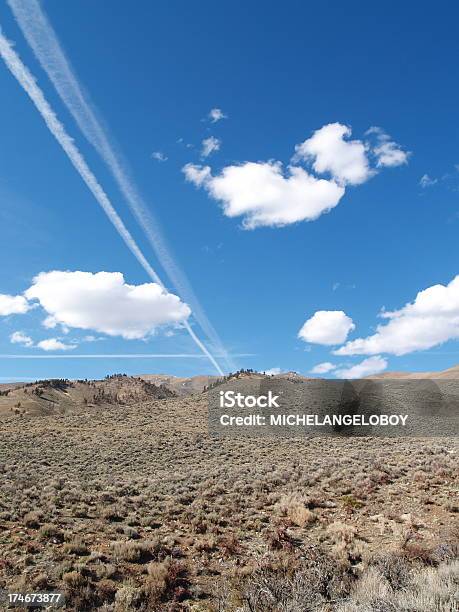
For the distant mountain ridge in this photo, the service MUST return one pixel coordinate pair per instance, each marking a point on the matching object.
(449, 374)
(48, 396)
(196, 384)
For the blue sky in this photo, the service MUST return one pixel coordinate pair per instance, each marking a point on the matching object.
(152, 72)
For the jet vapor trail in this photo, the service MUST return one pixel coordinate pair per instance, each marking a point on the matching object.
(46, 46)
(27, 82)
(112, 356)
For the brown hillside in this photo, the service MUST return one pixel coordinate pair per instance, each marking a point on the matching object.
(63, 396)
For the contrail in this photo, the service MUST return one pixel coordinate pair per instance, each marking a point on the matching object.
(107, 356)
(115, 356)
(27, 82)
(46, 46)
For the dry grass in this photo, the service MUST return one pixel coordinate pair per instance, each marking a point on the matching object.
(137, 508)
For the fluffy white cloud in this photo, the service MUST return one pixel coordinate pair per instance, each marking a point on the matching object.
(323, 368)
(329, 150)
(19, 337)
(210, 145)
(367, 367)
(431, 319)
(216, 114)
(53, 344)
(327, 327)
(13, 304)
(262, 195)
(105, 303)
(388, 153)
(266, 195)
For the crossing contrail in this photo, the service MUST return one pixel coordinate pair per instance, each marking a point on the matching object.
(27, 82)
(46, 46)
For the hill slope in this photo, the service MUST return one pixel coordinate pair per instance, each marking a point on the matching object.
(62, 395)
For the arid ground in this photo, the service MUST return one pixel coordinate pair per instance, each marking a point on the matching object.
(132, 506)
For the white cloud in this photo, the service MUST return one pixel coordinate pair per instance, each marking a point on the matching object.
(264, 196)
(329, 150)
(388, 153)
(210, 145)
(427, 181)
(323, 368)
(91, 338)
(367, 367)
(198, 175)
(273, 371)
(13, 304)
(103, 302)
(159, 156)
(53, 344)
(327, 327)
(216, 114)
(431, 319)
(19, 337)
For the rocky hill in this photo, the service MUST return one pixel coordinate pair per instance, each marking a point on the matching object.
(180, 386)
(62, 395)
(197, 384)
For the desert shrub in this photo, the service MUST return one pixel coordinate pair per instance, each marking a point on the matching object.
(127, 551)
(73, 580)
(294, 507)
(113, 513)
(146, 521)
(229, 545)
(424, 589)
(51, 533)
(41, 582)
(341, 532)
(131, 533)
(139, 552)
(394, 567)
(105, 570)
(452, 506)
(33, 519)
(156, 582)
(351, 503)
(128, 597)
(166, 580)
(280, 539)
(76, 547)
(286, 583)
(206, 544)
